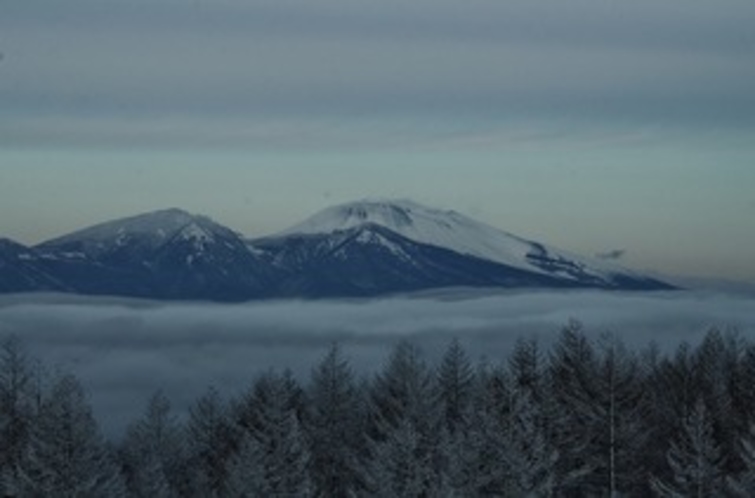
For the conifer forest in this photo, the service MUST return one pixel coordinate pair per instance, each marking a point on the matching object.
(578, 418)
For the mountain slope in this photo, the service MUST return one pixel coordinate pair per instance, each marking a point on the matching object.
(371, 260)
(366, 248)
(167, 254)
(447, 229)
(464, 244)
(22, 270)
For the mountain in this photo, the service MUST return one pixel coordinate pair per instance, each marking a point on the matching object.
(365, 248)
(22, 270)
(376, 247)
(168, 254)
(372, 260)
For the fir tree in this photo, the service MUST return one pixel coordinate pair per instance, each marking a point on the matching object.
(716, 363)
(152, 452)
(69, 458)
(529, 456)
(455, 387)
(211, 440)
(404, 416)
(743, 388)
(246, 476)
(743, 485)
(16, 414)
(335, 425)
(478, 456)
(572, 370)
(695, 460)
(403, 466)
(270, 418)
(526, 368)
(617, 418)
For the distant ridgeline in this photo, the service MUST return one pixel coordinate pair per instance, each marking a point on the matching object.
(366, 248)
(582, 419)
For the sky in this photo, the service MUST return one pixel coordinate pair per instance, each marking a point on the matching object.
(125, 350)
(596, 126)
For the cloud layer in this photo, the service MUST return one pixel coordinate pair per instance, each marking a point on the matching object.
(682, 62)
(125, 350)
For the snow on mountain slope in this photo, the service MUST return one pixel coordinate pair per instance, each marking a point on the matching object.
(356, 249)
(21, 269)
(422, 224)
(456, 232)
(163, 254)
(148, 231)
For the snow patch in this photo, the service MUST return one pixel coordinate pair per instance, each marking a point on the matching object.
(196, 233)
(369, 237)
(446, 229)
(152, 228)
(73, 255)
(454, 231)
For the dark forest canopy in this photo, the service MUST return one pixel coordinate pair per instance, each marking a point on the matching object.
(580, 418)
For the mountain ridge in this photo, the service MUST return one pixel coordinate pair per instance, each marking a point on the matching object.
(363, 248)
(449, 229)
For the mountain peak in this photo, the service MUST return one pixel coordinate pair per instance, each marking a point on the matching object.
(169, 219)
(450, 230)
(426, 225)
(155, 225)
(389, 213)
(11, 248)
(7, 242)
(367, 247)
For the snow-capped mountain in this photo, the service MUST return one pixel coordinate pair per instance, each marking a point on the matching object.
(21, 270)
(371, 260)
(424, 248)
(164, 254)
(142, 232)
(363, 248)
(447, 229)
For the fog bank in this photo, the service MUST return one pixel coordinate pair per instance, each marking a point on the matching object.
(123, 350)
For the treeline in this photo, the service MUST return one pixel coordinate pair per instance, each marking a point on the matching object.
(584, 418)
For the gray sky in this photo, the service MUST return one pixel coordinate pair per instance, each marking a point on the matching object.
(593, 125)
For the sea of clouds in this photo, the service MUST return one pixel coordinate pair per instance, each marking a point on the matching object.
(124, 350)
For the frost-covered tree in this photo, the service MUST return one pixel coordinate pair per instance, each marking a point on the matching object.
(716, 363)
(477, 459)
(529, 456)
(531, 423)
(671, 392)
(69, 458)
(572, 369)
(618, 420)
(743, 388)
(506, 449)
(270, 418)
(153, 451)
(456, 380)
(403, 466)
(589, 419)
(743, 484)
(600, 430)
(404, 412)
(211, 442)
(246, 475)
(526, 367)
(335, 428)
(695, 460)
(246, 410)
(17, 410)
